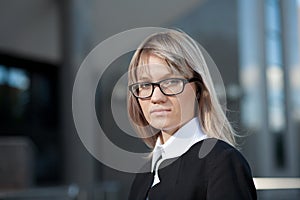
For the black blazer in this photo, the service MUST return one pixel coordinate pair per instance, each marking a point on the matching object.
(220, 172)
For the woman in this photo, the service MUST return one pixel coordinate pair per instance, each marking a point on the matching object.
(174, 108)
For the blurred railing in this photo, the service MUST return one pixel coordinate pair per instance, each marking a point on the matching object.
(276, 183)
(267, 188)
(49, 193)
(277, 188)
(101, 191)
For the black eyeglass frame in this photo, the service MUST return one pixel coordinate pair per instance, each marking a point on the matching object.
(185, 81)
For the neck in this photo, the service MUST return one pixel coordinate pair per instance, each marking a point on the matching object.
(166, 134)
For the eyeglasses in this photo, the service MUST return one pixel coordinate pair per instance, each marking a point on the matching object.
(169, 87)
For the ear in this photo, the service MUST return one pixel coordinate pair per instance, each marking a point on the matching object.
(198, 92)
(198, 95)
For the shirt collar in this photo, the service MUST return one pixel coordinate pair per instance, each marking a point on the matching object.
(179, 142)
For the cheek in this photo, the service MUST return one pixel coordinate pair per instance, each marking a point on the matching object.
(187, 102)
(145, 107)
(182, 106)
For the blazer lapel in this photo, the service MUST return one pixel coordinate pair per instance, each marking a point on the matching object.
(141, 186)
(168, 174)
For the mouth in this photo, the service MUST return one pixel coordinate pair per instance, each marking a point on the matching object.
(160, 111)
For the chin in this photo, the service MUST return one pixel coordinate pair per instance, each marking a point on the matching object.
(165, 126)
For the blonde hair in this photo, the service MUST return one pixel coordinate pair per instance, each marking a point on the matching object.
(184, 56)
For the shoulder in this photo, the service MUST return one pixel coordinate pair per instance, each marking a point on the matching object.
(224, 166)
(214, 151)
(213, 147)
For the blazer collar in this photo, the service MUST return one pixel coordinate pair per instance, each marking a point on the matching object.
(179, 142)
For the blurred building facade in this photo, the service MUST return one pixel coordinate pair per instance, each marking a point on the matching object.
(255, 45)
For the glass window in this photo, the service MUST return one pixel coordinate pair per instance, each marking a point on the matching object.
(274, 68)
(29, 108)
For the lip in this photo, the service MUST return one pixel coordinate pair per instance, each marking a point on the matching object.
(159, 111)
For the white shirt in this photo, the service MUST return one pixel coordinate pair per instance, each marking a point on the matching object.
(179, 143)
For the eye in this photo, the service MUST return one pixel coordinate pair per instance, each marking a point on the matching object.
(141, 90)
(171, 82)
(145, 86)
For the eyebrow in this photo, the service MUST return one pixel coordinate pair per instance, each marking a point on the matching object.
(148, 79)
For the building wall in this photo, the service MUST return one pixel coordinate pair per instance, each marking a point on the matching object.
(30, 29)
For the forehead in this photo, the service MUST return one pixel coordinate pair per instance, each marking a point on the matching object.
(153, 66)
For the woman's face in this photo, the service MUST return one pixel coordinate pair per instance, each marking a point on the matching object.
(166, 113)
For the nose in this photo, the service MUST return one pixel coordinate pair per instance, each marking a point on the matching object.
(158, 96)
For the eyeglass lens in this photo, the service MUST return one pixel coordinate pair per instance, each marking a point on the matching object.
(168, 87)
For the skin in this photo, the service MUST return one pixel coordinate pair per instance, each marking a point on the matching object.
(167, 113)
